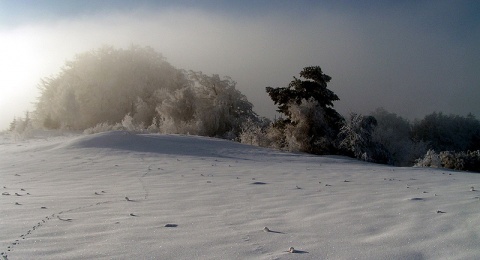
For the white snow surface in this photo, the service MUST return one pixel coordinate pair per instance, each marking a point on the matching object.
(193, 197)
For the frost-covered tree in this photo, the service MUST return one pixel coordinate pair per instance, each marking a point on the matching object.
(356, 138)
(104, 85)
(255, 132)
(12, 124)
(309, 130)
(464, 161)
(222, 109)
(102, 88)
(209, 106)
(276, 134)
(22, 127)
(177, 110)
(311, 124)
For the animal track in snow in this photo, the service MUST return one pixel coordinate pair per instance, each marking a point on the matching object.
(43, 222)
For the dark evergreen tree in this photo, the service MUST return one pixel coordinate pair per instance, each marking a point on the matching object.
(322, 130)
(313, 88)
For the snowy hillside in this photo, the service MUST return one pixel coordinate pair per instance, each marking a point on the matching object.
(118, 195)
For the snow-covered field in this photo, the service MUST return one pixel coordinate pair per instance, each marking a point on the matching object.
(118, 195)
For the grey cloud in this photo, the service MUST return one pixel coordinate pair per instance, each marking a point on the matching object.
(406, 60)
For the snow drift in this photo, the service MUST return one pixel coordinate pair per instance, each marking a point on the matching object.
(118, 195)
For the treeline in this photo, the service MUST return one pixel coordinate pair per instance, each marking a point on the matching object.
(310, 124)
(138, 90)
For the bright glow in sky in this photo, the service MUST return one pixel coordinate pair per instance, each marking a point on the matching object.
(412, 58)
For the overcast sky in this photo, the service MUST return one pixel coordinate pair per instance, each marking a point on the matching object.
(410, 57)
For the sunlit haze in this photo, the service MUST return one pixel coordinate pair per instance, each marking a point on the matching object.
(410, 57)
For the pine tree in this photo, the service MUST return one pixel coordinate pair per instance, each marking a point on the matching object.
(311, 97)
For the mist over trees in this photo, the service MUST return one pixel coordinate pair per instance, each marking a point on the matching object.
(394, 133)
(438, 140)
(448, 132)
(110, 86)
(136, 89)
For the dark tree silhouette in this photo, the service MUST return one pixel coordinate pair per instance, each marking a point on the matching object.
(315, 87)
(321, 123)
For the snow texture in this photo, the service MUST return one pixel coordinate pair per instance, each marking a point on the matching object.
(118, 195)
